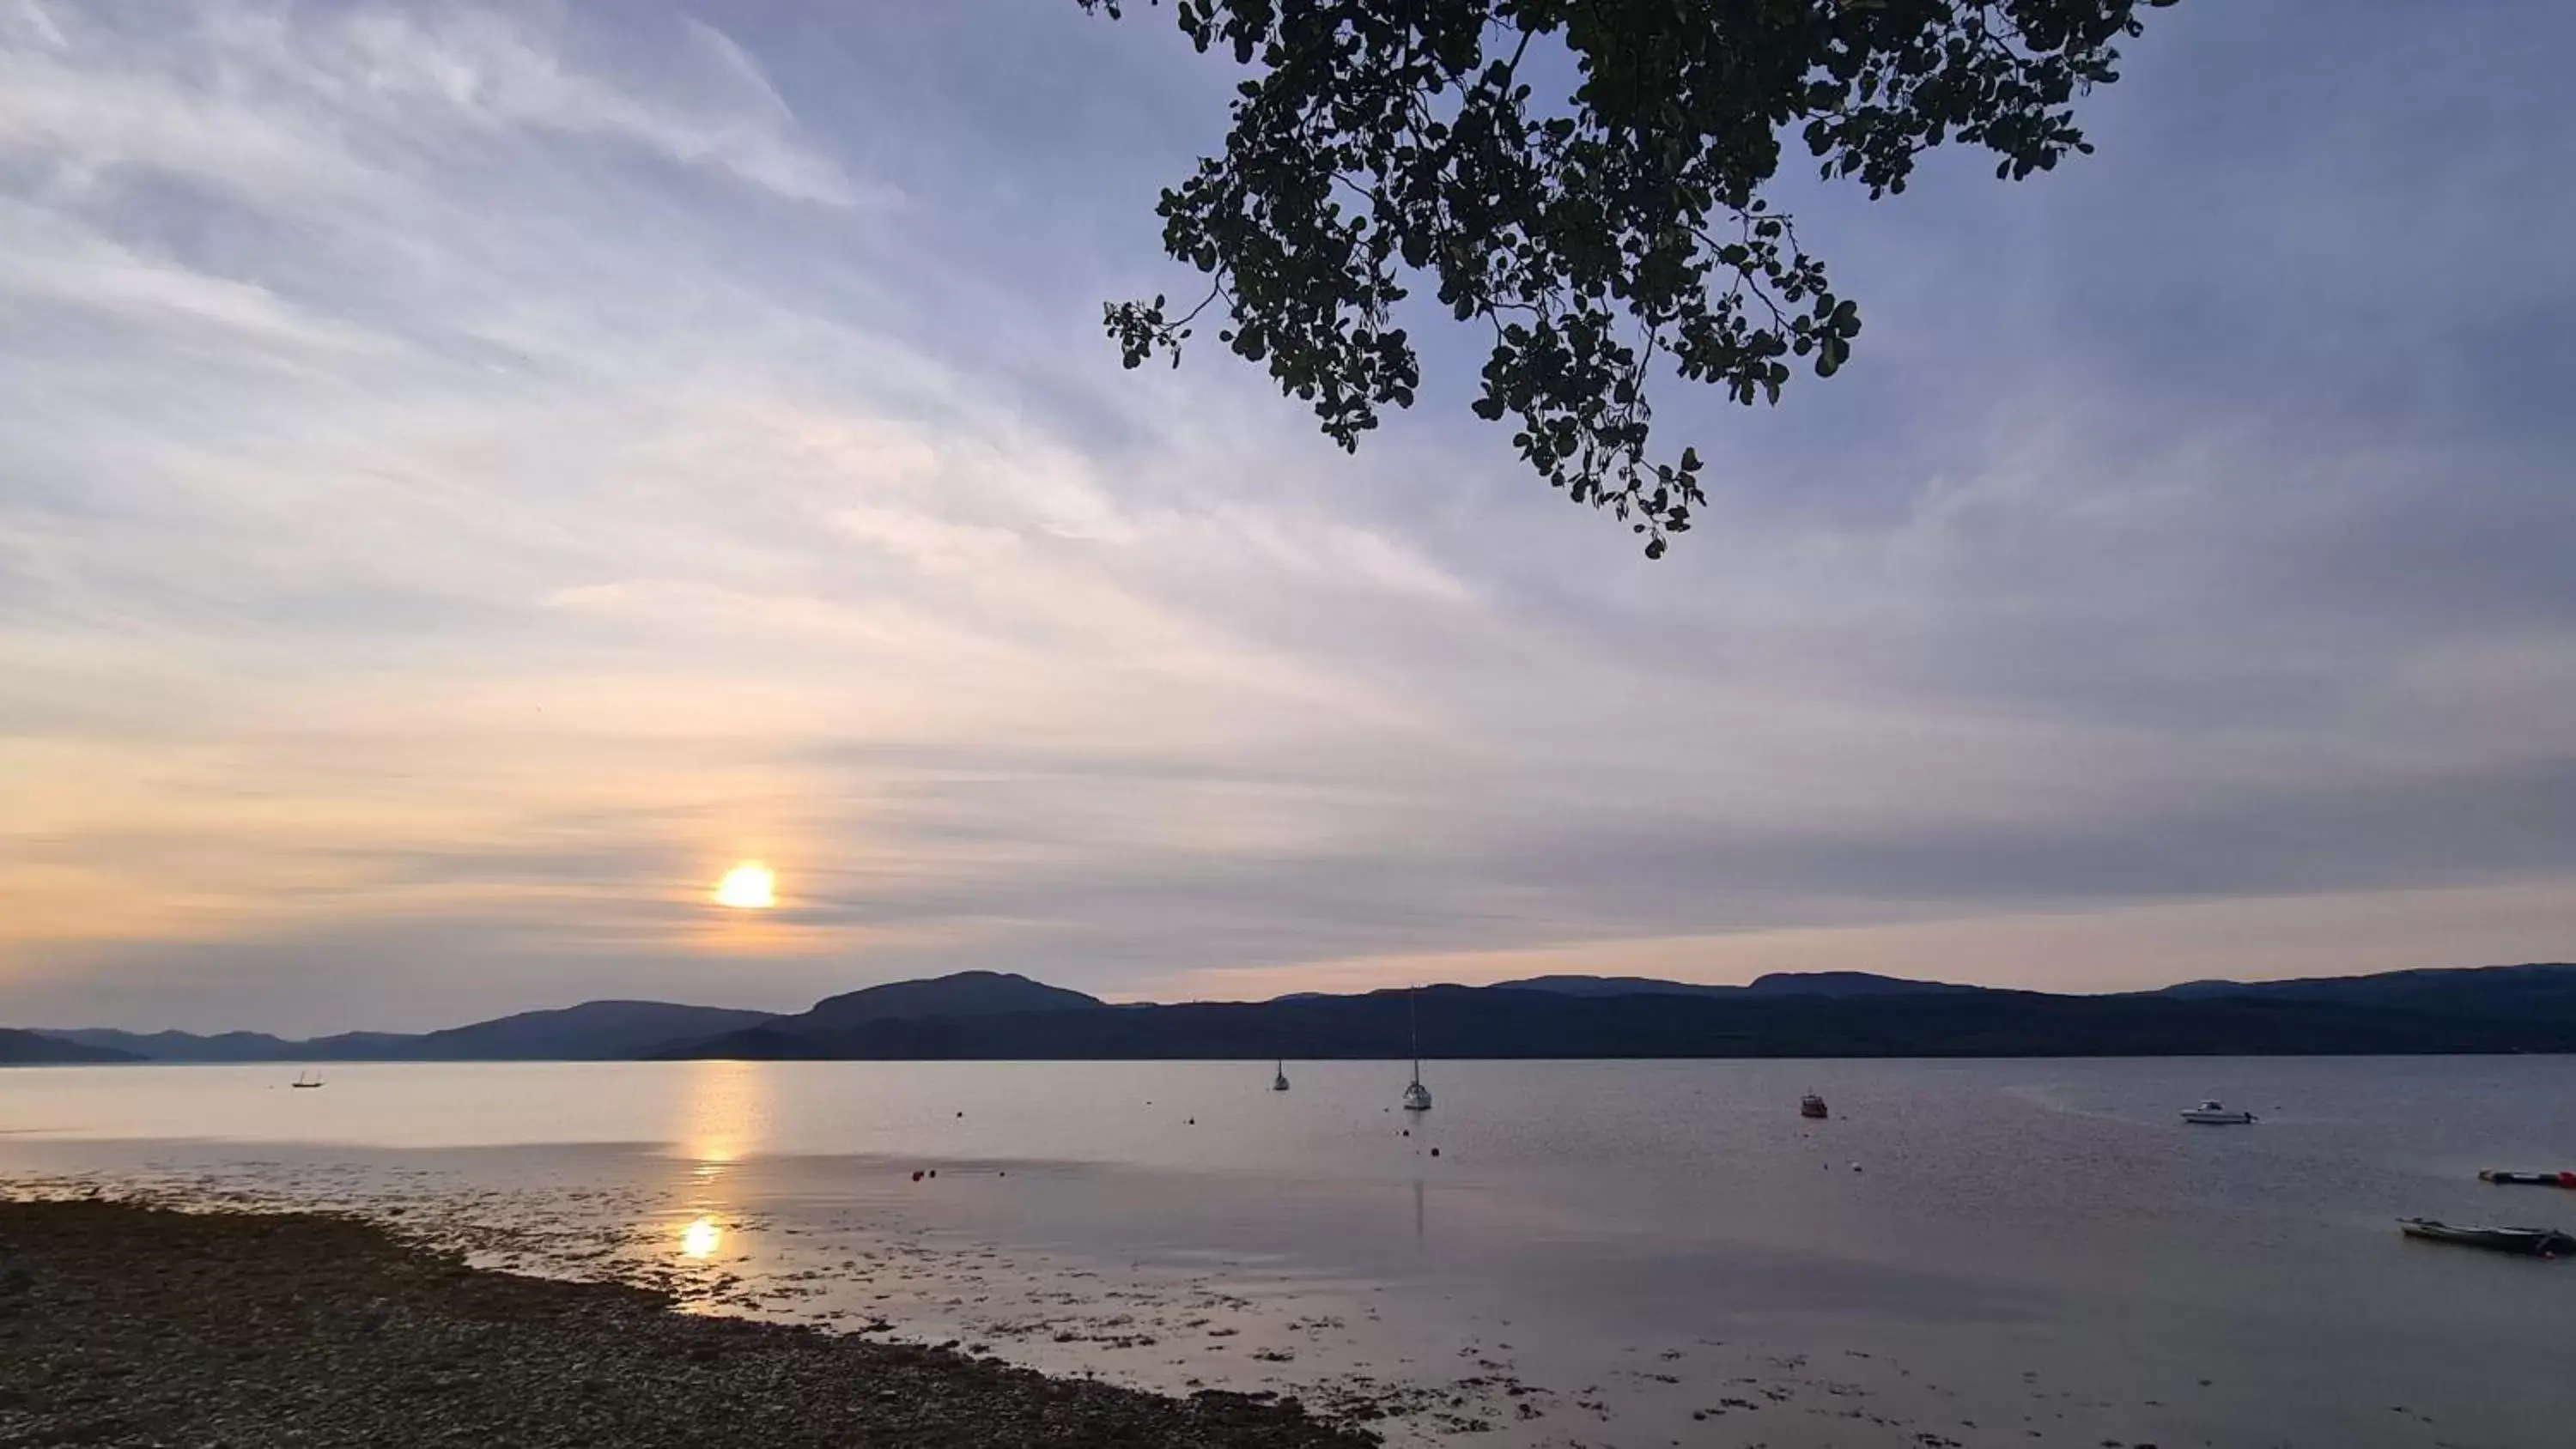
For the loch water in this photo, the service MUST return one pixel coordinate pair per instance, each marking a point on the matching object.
(1590, 1253)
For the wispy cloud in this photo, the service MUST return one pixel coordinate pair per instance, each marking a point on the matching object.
(274, 102)
(474, 471)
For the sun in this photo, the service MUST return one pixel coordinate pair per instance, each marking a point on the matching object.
(748, 887)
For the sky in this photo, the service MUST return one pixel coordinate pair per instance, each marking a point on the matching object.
(471, 474)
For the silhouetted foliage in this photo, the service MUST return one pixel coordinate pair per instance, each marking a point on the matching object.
(1599, 231)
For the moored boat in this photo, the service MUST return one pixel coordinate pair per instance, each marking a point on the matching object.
(2212, 1114)
(1417, 1097)
(1812, 1105)
(2529, 1179)
(2529, 1242)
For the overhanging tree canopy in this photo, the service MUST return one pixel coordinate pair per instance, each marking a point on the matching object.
(1598, 232)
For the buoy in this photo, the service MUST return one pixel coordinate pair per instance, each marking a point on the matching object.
(1435, 1152)
(916, 1174)
(1855, 1167)
(961, 1114)
(935, 1171)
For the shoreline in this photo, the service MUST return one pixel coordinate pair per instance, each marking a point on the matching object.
(125, 1323)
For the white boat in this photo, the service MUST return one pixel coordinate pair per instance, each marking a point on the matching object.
(1279, 1082)
(307, 1080)
(1417, 1097)
(2212, 1114)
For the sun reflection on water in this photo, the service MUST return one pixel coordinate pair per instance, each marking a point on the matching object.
(724, 1113)
(722, 1119)
(701, 1238)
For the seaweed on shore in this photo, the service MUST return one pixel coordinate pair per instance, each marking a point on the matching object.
(128, 1324)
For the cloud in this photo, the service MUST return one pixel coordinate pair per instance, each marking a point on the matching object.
(270, 101)
(2128, 949)
(137, 291)
(475, 472)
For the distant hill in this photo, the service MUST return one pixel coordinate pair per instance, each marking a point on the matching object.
(964, 993)
(1847, 983)
(179, 1046)
(2542, 989)
(35, 1049)
(593, 1030)
(996, 1015)
(1777, 983)
(1613, 986)
(354, 1046)
(834, 1021)
(1867, 1017)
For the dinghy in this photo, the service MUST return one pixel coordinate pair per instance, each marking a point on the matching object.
(2530, 1179)
(2529, 1242)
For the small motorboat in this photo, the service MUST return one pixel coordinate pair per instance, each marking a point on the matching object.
(2529, 1242)
(1812, 1105)
(2213, 1114)
(2530, 1179)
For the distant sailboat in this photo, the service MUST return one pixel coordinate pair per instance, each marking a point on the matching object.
(1279, 1082)
(307, 1079)
(1417, 1097)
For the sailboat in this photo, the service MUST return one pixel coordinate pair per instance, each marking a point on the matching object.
(1417, 1097)
(306, 1079)
(1279, 1082)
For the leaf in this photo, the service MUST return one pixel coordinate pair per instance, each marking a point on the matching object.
(1582, 216)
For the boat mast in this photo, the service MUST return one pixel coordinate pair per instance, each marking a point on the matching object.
(1413, 1017)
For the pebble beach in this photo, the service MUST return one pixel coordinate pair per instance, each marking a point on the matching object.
(123, 1324)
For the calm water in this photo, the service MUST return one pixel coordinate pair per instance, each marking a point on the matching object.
(1600, 1253)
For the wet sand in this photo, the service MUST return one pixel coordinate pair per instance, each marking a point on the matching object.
(129, 1324)
(1168, 1335)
